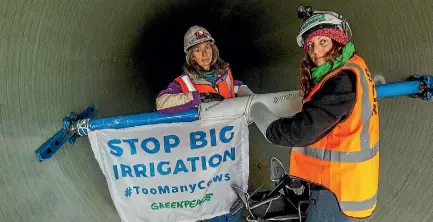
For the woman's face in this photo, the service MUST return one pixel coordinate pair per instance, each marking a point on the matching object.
(318, 47)
(202, 54)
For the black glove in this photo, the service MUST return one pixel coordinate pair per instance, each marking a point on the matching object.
(210, 97)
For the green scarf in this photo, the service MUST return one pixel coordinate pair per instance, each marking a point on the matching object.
(209, 76)
(319, 72)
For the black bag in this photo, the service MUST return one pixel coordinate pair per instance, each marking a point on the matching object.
(287, 201)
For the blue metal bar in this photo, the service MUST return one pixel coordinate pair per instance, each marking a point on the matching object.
(73, 126)
(397, 89)
(78, 125)
(119, 122)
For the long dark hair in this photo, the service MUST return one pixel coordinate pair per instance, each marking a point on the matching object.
(193, 68)
(305, 80)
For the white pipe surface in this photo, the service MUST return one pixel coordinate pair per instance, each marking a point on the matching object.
(282, 104)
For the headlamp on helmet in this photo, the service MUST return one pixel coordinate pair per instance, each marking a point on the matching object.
(315, 20)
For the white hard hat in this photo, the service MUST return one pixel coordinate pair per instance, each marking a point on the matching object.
(196, 35)
(314, 20)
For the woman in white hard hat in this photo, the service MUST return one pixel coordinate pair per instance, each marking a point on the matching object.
(335, 136)
(206, 77)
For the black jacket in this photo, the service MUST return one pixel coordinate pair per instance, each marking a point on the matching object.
(331, 104)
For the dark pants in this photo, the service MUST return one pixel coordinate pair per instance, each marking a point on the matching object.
(325, 208)
(227, 218)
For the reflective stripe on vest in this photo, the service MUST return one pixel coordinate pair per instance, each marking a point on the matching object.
(229, 84)
(358, 206)
(188, 83)
(357, 160)
(339, 156)
(225, 87)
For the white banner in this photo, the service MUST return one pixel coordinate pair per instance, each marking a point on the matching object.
(176, 171)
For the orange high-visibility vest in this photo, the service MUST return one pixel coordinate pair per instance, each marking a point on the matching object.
(346, 161)
(225, 87)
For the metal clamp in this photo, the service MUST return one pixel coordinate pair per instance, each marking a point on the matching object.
(68, 133)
